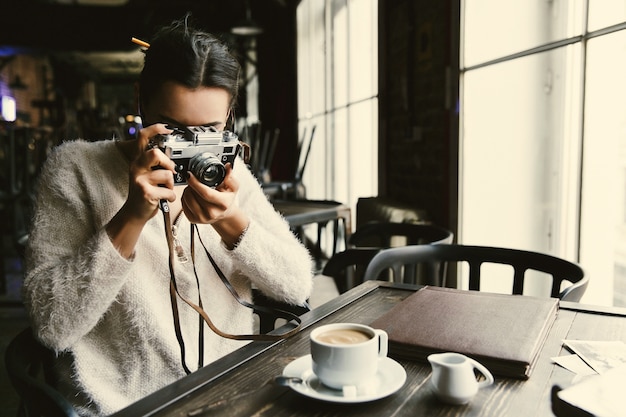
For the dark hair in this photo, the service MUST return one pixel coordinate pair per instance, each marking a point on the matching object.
(191, 57)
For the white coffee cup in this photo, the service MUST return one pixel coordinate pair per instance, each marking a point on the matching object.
(346, 354)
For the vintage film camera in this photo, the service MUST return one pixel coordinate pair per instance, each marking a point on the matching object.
(203, 151)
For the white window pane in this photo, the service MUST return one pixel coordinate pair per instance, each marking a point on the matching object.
(603, 13)
(340, 154)
(503, 199)
(363, 77)
(363, 151)
(603, 223)
(339, 21)
(311, 61)
(496, 28)
(514, 136)
(318, 164)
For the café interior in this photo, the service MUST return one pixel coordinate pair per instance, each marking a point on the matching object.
(486, 124)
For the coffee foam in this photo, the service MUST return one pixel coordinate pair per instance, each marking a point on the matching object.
(343, 337)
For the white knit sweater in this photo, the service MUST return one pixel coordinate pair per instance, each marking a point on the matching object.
(109, 318)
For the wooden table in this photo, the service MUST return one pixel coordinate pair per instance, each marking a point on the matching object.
(303, 212)
(237, 385)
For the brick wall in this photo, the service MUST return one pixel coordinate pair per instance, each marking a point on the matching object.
(417, 111)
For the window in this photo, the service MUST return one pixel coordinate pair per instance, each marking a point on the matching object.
(338, 95)
(541, 98)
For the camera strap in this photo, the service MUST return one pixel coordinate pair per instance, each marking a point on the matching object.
(204, 317)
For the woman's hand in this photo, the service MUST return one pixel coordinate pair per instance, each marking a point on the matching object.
(216, 206)
(151, 176)
(150, 180)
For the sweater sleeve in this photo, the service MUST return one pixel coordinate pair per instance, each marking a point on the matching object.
(73, 272)
(273, 258)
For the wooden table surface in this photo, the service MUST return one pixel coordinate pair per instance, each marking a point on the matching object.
(239, 384)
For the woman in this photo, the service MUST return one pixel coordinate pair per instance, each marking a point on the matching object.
(97, 285)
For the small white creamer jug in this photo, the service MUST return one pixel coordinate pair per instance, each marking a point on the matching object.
(453, 377)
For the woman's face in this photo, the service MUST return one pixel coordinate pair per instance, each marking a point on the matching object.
(177, 105)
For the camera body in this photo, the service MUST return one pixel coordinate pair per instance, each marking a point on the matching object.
(201, 150)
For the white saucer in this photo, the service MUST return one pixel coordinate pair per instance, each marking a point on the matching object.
(389, 379)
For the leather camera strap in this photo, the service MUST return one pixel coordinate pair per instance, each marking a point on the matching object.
(174, 294)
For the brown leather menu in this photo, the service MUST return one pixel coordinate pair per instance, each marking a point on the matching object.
(503, 332)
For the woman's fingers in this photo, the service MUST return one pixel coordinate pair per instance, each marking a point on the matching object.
(147, 135)
(203, 204)
(153, 159)
(230, 183)
(148, 154)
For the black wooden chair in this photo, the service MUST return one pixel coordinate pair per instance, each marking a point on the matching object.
(347, 267)
(267, 320)
(375, 236)
(521, 261)
(27, 362)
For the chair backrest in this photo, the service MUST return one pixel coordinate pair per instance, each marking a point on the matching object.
(391, 234)
(381, 234)
(267, 320)
(26, 361)
(520, 260)
(347, 267)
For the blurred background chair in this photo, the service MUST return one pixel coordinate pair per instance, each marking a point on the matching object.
(346, 268)
(390, 234)
(385, 235)
(385, 209)
(292, 188)
(301, 214)
(28, 364)
(521, 261)
(336, 277)
(267, 320)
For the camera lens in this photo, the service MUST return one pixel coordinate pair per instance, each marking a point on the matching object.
(208, 169)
